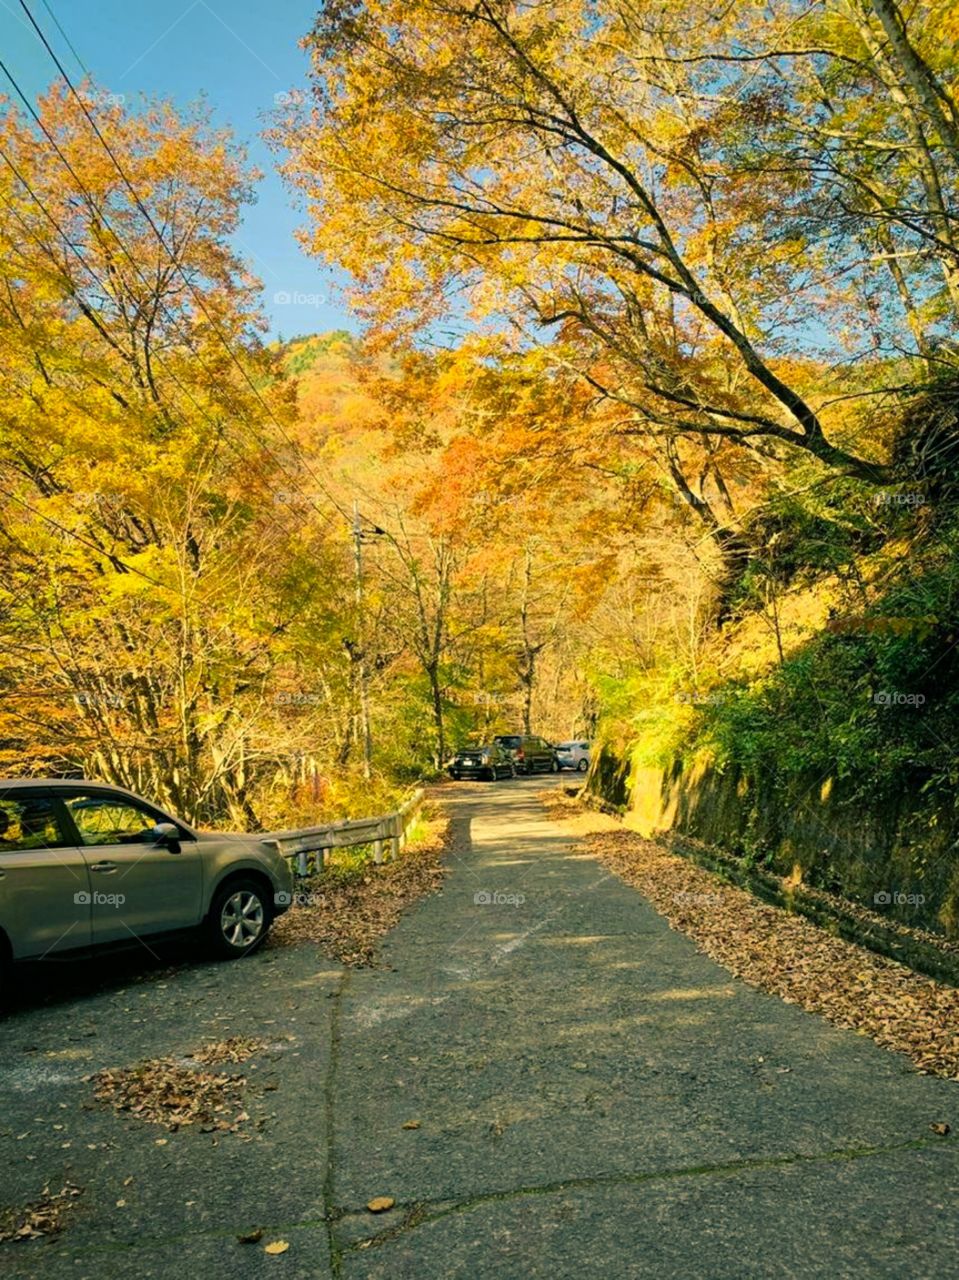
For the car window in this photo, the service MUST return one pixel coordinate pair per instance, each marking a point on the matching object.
(29, 822)
(105, 819)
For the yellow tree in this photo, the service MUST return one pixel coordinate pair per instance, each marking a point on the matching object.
(151, 589)
(575, 166)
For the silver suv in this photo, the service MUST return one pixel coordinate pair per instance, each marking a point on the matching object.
(86, 865)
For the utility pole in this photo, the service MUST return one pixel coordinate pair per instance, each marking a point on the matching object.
(362, 669)
(362, 674)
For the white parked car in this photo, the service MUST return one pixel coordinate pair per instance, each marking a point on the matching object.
(573, 755)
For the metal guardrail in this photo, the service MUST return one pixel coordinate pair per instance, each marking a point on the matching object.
(390, 829)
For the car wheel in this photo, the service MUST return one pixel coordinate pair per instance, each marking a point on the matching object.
(455, 777)
(491, 774)
(240, 918)
(582, 766)
(554, 766)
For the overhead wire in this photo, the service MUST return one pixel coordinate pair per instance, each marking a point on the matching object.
(145, 212)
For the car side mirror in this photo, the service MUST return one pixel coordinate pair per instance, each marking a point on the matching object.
(166, 833)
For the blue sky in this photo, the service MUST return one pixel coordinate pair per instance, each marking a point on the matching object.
(238, 56)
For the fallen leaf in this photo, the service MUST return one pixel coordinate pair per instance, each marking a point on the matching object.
(379, 1204)
(278, 1246)
(251, 1237)
(942, 1129)
(410, 1124)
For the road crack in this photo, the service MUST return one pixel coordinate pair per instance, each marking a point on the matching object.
(422, 1212)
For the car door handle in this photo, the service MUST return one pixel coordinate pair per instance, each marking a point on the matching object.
(103, 866)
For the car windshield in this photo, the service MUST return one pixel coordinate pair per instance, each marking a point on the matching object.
(508, 740)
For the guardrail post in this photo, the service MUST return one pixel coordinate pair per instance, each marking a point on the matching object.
(396, 827)
(378, 851)
(301, 863)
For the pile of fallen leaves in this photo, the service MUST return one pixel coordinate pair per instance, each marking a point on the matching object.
(347, 919)
(790, 957)
(233, 1049)
(164, 1091)
(43, 1217)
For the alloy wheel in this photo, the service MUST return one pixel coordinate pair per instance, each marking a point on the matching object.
(242, 918)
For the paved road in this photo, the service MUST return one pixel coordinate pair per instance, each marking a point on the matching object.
(594, 1098)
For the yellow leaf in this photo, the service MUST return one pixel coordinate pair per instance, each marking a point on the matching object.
(379, 1204)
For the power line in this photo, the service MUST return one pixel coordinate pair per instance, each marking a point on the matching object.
(56, 22)
(194, 292)
(128, 568)
(122, 246)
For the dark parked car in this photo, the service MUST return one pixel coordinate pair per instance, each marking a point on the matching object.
(85, 865)
(486, 761)
(530, 754)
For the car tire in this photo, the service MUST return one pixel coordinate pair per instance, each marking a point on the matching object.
(491, 774)
(554, 766)
(455, 776)
(582, 766)
(239, 918)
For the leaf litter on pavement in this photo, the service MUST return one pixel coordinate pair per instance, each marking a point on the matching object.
(347, 917)
(174, 1093)
(791, 957)
(42, 1217)
(233, 1049)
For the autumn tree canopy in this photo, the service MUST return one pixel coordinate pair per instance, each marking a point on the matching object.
(686, 195)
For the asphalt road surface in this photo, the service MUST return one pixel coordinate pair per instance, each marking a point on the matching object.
(546, 1079)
